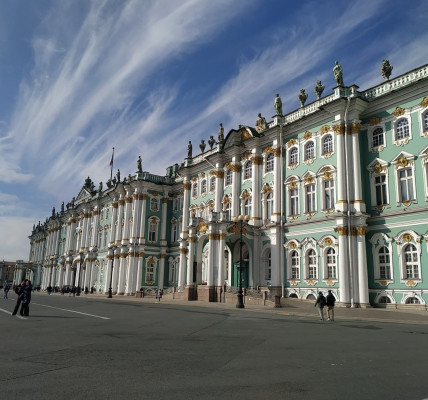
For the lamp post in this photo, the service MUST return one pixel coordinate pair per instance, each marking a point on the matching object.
(111, 273)
(240, 298)
(80, 270)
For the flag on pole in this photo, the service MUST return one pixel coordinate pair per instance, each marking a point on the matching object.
(111, 165)
(111, 161)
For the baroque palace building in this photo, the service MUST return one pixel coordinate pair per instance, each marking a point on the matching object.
(336, 194)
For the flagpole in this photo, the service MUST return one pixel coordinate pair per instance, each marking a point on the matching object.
(111, 164)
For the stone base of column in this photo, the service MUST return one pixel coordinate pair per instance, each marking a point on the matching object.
(208, 293)
(342, 304)
(190, 293)
(362, 305)
(276, 291)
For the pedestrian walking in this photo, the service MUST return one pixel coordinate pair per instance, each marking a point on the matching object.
(320, 302)
(330, 300)
(6, 290)
(26, 299)
(19, 290)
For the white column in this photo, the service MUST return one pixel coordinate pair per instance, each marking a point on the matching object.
(161, 273)
(236, 186)
(358, 203)
(142, 229)
(257, 161)
(212, 255)
(276, 254)
(122, 272)
(343, 266)
(183, 262)
(96, 219)
(120, 214)
(186, 205)
(219, 187)
(341, 167)
(191, 258)
(127, 217)
(139, 276)
(363, 284)
(136, 217)
(114, 206)
(164, 219)
(221, 267)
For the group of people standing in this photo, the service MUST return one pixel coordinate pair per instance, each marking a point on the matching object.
(323, 301)
(24, 298)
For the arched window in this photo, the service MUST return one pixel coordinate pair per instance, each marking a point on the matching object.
(174, 231)
(327, 145)
(293, 156)
(331, 264)
(247, 207)
(150, 271)
(384, 263)
(295, 265)
(227, 204)
(412, 300)
(377, 137)
(228, 177)
(195, 189)
(248, 171)
(311, 258)
(309, 151)
(269, 162)
(212, 184)
(402, 129)
(411, 262)
(269, 206)
(426, 121)
(204, 186)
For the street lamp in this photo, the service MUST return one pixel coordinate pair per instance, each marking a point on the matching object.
(80, 270)
(241, 219)
(111, 273)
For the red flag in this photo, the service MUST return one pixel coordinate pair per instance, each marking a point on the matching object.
(111, 161)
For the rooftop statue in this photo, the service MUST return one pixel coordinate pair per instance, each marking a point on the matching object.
(139, 164)
(202, 145)
(62, 208)
(118, 176)
(319, 88)
(220, 137)
(189, 150)
(53, 211)
(100, 187)
(278, 105)
(386, 69)
(260, 123)
(211, 142)
(302, 97)
(338, 75)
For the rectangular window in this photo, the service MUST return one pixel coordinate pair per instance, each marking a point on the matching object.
(329, 194)
(294, 202)
(406, 184)
(381, 192)
(310, 198)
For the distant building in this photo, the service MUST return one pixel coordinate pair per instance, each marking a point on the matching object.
(348, 173)
(6, 271)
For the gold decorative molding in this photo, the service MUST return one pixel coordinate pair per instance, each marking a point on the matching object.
(407, 237)
(276, 151)
(187, 185)
(377, 168)
(361, 230)
(293, 246)
(311, 282)
(194, 179)
(355, 128)
(329, 282)
(192, 239)
(245, 195)
(307, 135)
(161, 256)
(246, 155)
(375, 121)
(341, 230)
(424, 102)
(121, 202)
(328, 242)
(399, 111)
(325, 129)
(293, 282)
(291, 142)
(339, 129)
(402, 162)
(411, 283)
(267, 189)
(257, 160)
(235, 167)
(165, 200)
(202, 228)
(245, 134)
(327, 175)
(309, 179)
(202, 174)
(182, 251)
(128, 199)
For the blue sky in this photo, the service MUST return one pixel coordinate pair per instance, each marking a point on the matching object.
(80, 77)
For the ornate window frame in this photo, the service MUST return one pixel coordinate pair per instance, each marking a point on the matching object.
(309, 158)
(293, 246)
(269, 163)
(246, 202)
(402, 240)
(404, 161)
(324, 153)
(378, 168)
(194, 190)
(248, 170)
(290, 161)
(423, 155)
(371, 130)
(154, 204)
(401, 115)
(379, 241)
(153, 228)
(213, 184)
(326, 243)
(310, 182)
(174, 230)
(266, 192)
(150, 270)
(204, 187)
(228, 175)
(292, 186)
(327, 174)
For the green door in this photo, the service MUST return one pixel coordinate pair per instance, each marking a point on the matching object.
(244, 274)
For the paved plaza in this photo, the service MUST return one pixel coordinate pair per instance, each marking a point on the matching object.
(127, 348)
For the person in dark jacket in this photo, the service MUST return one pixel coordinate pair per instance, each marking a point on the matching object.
(26, 299)
(330, 299)
(320, 302)
(19, 290)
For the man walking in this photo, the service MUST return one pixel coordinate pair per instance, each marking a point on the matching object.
(330, 299)
(320, 302)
